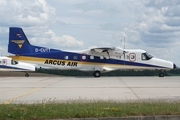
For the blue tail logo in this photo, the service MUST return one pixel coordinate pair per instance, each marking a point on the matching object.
(18, 42)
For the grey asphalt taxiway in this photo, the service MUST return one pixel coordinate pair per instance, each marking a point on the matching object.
(42, 89)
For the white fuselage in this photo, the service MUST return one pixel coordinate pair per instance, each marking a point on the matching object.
(89, 60)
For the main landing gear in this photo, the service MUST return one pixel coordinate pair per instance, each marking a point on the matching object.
(97, 73)
(161, 74)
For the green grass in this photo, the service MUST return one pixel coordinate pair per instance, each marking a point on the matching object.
(81, 109)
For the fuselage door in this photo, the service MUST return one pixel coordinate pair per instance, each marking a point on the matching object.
(4, 62)
(132, 57)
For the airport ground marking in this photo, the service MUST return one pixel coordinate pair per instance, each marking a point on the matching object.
(10, 100)
(34, 90)
(130, 89)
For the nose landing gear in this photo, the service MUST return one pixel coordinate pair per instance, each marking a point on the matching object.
(26, 75)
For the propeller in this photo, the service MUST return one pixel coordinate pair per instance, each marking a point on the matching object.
(124, 52)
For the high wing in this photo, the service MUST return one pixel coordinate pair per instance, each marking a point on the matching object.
(108, 51)
(100, 50)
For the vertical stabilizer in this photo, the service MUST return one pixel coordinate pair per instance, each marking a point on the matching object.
(18, 43)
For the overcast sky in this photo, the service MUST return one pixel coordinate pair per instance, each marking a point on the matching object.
(152, 25)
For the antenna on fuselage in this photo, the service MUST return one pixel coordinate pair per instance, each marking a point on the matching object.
(124, 50)
(121, 43)
(124, 42)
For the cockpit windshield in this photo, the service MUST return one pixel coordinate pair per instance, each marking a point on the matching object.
(146, 56)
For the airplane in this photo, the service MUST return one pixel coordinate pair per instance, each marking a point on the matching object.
(7, 64)
(97, 60)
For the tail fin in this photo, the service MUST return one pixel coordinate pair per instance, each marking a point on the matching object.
(18, 43)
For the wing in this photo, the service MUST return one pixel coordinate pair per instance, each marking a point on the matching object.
(108, 51)
(101, 50)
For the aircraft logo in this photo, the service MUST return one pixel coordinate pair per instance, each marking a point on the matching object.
(18, 42)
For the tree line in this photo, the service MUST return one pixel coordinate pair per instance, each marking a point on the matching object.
(112, 73)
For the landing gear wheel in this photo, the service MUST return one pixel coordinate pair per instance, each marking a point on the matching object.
(161, 74)
(26, 75)
(97, 74)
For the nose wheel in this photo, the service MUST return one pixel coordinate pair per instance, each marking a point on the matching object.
(26, 75)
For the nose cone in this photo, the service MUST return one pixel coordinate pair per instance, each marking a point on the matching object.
(174, 66)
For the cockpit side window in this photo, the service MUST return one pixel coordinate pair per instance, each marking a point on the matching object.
(143, 56)
(14, 62)
(146, 56)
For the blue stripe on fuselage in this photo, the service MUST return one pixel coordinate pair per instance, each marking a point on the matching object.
(61, 55)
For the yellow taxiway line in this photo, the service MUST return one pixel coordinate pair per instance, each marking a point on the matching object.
(10, 100)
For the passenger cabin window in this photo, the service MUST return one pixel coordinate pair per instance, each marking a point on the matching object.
(66, 57)
(107, 57)
(75, 57)
(91, 57)
(84, 57)
(146, 56)
(101, 57)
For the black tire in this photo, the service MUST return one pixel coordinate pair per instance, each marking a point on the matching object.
(26, 75)
(97, 74)
(161, 74)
